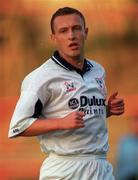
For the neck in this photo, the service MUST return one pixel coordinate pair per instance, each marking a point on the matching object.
(77, 61)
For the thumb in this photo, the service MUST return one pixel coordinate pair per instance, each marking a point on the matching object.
(113, 96)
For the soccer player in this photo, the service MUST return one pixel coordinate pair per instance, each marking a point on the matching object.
(63, 102)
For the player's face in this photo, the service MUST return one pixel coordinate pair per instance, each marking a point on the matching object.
(69, 35)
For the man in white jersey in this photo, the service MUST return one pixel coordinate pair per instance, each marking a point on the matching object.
(63, 102)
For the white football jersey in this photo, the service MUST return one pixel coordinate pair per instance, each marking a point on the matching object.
(56, 89)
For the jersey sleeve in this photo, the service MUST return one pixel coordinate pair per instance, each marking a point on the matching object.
(28, 108)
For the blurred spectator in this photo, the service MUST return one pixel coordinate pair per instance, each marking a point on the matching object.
(127, 160)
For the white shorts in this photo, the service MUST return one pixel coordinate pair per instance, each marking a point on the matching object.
(76, 167)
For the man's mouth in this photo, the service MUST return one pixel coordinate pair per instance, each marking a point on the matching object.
(73, 45)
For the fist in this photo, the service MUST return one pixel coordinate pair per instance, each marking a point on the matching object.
(115, 105)
(73, 120)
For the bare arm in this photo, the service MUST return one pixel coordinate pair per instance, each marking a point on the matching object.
(42, 126)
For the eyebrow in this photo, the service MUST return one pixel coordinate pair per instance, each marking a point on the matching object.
(66, 27)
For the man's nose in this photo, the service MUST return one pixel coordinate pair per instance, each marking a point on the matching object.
(71, 35)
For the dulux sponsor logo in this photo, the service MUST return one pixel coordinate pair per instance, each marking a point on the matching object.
(84, 101)
(91, 101)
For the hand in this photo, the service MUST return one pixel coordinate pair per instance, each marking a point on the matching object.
(115, 105)
(73, 120)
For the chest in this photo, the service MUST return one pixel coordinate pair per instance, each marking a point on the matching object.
(69, 91)
(73, 84)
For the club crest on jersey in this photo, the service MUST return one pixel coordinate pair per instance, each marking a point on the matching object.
(101, 85)
(69, 86)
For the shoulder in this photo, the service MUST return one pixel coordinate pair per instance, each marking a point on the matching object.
(96, 67)
(39, 76)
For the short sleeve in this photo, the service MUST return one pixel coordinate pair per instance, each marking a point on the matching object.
(27, 110)
(33, 99)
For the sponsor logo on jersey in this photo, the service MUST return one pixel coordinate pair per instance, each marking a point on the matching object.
(91, 105)
(84, 101)
(73, 103)
(69, 86)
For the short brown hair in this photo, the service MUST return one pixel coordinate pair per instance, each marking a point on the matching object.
(65, 11)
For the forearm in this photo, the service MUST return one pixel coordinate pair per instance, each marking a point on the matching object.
(42, 126)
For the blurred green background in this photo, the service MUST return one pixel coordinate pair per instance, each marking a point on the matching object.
(25, 44)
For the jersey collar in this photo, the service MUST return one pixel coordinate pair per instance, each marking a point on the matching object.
(63, 63)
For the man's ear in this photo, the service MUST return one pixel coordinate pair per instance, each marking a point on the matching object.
(53, 38)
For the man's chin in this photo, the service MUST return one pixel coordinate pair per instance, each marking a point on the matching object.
(75, 54)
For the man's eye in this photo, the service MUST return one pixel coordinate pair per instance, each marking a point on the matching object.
(77, 28)
(63, 30)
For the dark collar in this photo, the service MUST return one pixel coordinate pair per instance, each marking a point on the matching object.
(63, 63)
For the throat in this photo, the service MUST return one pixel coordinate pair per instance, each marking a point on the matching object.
(80, 64)
(77, 62)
